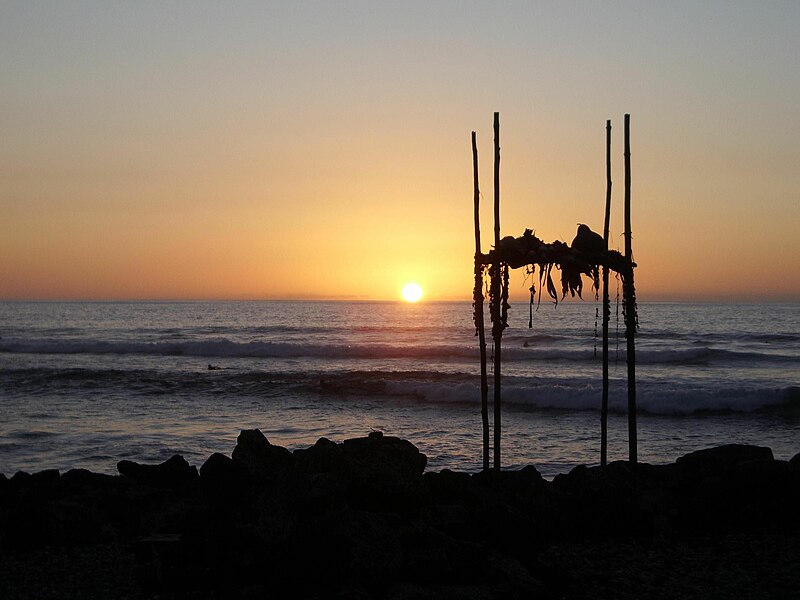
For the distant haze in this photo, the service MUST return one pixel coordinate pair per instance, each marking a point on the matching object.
(322, 149)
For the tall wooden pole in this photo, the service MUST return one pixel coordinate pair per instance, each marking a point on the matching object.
(630, 304)
(497, 329)
(478, 301)
(606, 307)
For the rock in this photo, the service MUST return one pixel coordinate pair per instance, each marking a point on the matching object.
(172, 473)
(84, 480)
(317, 493)
(324, 456)
(19, 478)
(449, 487)
(384, 473)
(452, 519)
(223, 476)
(521, 482)
(46, 477)
(393, 453)
(510, 572)
(714, 460)
(346, 548)
(601, 500)
(751, 494)
(795, 460)
(408, 591)
(254, 452)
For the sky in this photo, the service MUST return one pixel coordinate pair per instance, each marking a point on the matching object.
(237, 150)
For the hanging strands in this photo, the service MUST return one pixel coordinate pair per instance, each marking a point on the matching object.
(616, 335)
(530, 270)
(504, 298)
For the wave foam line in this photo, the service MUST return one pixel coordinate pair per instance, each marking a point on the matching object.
(652, 399)
(225, 348)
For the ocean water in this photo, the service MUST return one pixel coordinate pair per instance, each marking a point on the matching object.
(88, 384)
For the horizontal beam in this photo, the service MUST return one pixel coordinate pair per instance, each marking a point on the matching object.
(528, 250)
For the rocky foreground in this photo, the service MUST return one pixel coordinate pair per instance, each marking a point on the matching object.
(362, 520)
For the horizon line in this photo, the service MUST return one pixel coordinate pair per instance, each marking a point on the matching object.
(655, 300)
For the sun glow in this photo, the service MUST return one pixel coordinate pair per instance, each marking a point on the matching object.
(412, 292)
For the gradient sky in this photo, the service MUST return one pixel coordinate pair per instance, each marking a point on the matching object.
(322, 149)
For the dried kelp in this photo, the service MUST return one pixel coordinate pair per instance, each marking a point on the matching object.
(574, 263)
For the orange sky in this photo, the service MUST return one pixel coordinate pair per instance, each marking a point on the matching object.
(270, 152)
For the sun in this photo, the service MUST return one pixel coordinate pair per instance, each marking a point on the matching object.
(412, 292)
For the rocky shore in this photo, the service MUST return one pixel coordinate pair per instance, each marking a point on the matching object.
(362, 519)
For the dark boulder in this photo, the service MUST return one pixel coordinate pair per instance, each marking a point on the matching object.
(41, 480)
(449, 487)
(172, 473)
(316, 493)
(48, 477)
(745, 495)
(601, 500)
(224, 477)
(523, 482)
(714, 460)
(254, 452)
(346, 548)
(392, 453)
(384, 473)
(18, 479)
(795, 460)
(324, 456)
(83, 478)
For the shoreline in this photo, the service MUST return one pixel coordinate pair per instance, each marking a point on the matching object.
(363, 519)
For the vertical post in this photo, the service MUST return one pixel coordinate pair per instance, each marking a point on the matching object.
(606, 307)
(497, 329)
(630, 304)
(477, 297)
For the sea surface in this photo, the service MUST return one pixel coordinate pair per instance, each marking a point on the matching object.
(86, 384)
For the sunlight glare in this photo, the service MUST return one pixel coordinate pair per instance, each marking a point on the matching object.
(412, 292)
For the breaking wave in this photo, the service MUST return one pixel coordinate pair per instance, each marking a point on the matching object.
(225, 348)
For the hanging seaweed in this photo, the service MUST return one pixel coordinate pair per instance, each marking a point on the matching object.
(630, 309)
(547, 281)
(616, 335)
(504, 298)
(530, 270)
(477, 299)
(496, 300)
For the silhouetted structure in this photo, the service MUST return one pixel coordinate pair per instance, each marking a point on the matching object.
(587, 253)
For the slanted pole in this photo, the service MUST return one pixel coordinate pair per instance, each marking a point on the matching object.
(477, 297)
(497, 328)
(630, 304)
(606, 307)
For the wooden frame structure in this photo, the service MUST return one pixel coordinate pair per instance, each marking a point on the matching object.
(573, 262)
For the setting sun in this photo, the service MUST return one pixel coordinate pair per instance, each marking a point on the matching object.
(412, 292)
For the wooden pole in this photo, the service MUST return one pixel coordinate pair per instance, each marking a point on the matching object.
(630, 304)
(606, 307)
(478, 300)
(497, 329)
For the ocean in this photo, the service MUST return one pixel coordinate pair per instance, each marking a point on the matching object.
(86, 384)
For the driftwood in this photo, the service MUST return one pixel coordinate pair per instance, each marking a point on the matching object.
(587, 253)
(606, 307)
(498, 291)
(477, 303)
(629, 305)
